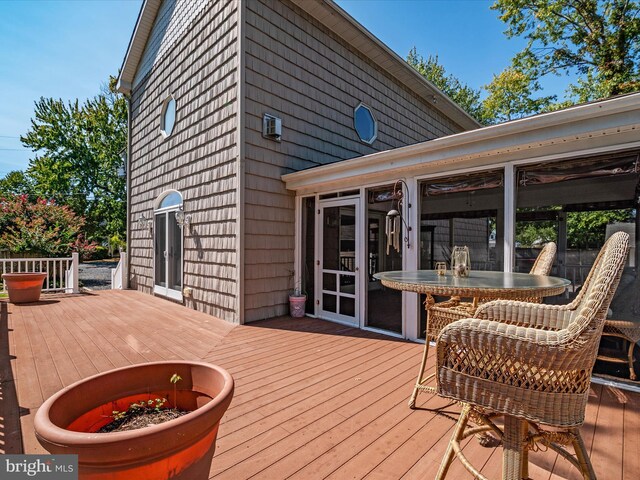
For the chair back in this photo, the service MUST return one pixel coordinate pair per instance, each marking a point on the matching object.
(544, 260)
(592, 303)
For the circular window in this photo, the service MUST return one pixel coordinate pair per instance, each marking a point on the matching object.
(366, 125)
(168, 116)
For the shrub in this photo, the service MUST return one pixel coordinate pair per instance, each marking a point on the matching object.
(41, 227)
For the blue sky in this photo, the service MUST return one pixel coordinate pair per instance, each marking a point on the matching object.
(67, 49)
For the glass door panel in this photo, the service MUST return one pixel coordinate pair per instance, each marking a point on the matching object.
(174, 250)
(168, 255)
(160, 239)
(338, 262)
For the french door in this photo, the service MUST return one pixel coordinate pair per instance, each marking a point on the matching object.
(338, 272)
(168, 255)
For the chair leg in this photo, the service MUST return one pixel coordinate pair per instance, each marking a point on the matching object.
(458, 435)
(429, 301)
(632, 373)
(586, 469)
(513, 454)
(420, 379)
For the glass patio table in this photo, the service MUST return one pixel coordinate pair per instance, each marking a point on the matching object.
(479, 284)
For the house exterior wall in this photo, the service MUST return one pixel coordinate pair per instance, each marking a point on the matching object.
(298, 70)
(193, 54)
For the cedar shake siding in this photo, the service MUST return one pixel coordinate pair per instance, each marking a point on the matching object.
(299, 71)
(192, 53)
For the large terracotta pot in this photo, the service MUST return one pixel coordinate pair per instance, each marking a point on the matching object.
(178, 449)
(24, 287)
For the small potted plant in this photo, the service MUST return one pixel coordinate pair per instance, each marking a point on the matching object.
(72, 421)
(297, 303)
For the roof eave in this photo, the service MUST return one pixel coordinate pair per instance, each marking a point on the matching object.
(137, 43)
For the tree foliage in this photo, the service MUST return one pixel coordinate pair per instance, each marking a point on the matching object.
(466, 97)
(597, 39)
(40, 227)
(510, 96)
(78, 151)
(16, 182)
(588, 229)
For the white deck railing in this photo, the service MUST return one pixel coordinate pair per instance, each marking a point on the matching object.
(62, 273)
(119, 274)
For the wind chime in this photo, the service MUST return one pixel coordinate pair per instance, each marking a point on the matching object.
(394, 220)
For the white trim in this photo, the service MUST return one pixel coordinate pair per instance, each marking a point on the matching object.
(410, 260)
(239, 315)
(166, 193)
(375, 123)
(612, 383)
(354, 201)
(165, 106)
(157, 289)
(297, 244)
(509, 218)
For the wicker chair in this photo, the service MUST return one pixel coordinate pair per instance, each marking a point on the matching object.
(530, 363)
(629, 332)
(443, 313)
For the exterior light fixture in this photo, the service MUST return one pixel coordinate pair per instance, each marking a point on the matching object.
(145, 223)
(184, 220)
(393, 225)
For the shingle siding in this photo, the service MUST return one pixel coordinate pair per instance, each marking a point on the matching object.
(301, 72)
(192, 54)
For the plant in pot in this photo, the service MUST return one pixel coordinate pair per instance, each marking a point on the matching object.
(69, 422)
(297, 298)
(297, 303)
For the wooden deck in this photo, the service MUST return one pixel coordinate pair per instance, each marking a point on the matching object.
(313, 399)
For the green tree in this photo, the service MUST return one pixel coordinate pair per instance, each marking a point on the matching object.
(588, 229)
(466, 97)
(510, 96)
(16, 182)
(77, 156)
(597, 39)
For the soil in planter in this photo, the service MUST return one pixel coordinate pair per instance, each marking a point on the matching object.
(133, 420)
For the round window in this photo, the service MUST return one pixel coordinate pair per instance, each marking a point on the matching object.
(366, 126)
(168, 116)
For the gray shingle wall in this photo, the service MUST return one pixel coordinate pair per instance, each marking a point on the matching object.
(192, 54)
(298, 70)
(172, 20)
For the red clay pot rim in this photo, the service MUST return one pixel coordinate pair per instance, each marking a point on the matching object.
(61, 436)
(23, 275)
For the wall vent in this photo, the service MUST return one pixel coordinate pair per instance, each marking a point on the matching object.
(271, 127)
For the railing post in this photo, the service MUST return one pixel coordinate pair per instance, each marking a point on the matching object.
(125, 270)
(75, 267)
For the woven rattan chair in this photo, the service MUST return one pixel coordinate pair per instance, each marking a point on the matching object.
(629, 332)
(530, 363)
(442, 314)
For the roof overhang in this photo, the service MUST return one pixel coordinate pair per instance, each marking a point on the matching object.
(345, 26)
(137, 44)
(608, 125)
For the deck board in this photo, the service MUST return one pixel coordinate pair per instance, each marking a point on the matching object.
(313, 399)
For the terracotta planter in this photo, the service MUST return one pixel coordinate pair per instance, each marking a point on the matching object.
(178, 449)
(24, 287)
